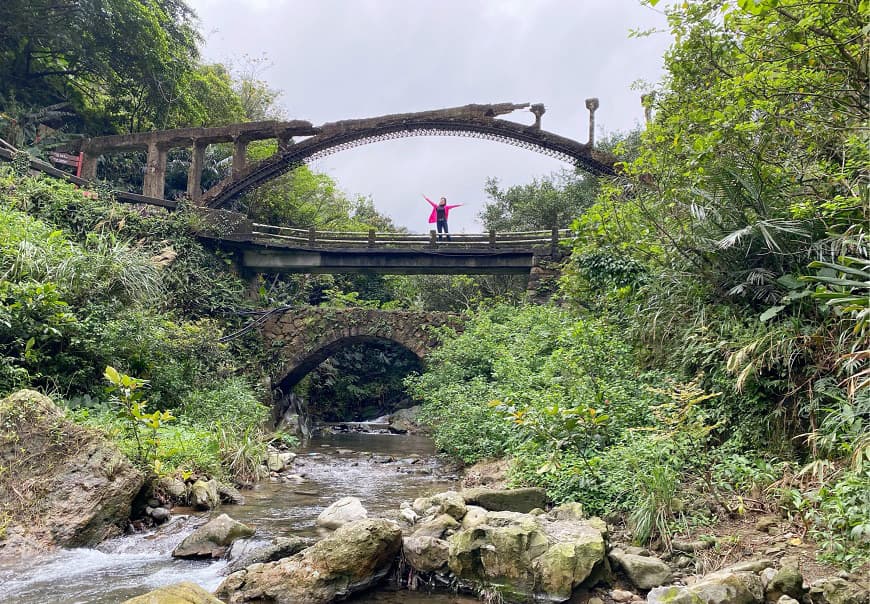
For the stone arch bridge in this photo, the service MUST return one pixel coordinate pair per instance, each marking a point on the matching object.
(301, 142)
(302, 338)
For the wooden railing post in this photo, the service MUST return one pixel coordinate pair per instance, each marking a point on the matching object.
(312, 235)
(432, 240)
(492, 238)
(371, 238)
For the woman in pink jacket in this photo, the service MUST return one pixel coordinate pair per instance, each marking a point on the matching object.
(439, 215)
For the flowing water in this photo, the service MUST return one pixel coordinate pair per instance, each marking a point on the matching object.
(381, 469)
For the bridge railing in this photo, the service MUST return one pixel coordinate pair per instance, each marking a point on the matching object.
(313, 238)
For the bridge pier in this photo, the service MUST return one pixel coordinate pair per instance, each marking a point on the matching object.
(88, 169)
(240, 156)
(194, 173)
(155, 171)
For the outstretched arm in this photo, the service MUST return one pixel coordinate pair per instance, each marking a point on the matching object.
(455, 206)
(431, 203)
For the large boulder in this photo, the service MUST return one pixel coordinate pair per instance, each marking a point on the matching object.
(835, 590)
(352, 559)
(280, 547)
(787, 581)
(204, 495)
(718, 588)
(436, 527)
(406, 421)
(343, 511)
(526, 557)
(180, 593)
(212, 539)
(63, 484)
(450, 503)
(645, 572)
(425, 554)
(511, 500)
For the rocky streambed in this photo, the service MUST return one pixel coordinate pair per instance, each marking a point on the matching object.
(371, 518)
(382, 470)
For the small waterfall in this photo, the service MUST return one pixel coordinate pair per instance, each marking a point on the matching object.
(293, 415)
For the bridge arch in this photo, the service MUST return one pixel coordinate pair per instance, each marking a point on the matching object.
(302, 338)
(476, 121)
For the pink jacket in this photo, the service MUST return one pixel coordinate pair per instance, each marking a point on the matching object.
(433, 217)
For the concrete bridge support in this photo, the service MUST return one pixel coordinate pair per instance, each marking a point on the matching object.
(194, 173)
(155, 171)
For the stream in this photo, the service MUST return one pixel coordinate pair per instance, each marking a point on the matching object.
(381, 469)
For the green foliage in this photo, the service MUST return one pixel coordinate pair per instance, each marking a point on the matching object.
(127, 394)
(567, 386)
(361, 381)
(127, 59)
(551, 202)
(840, 523)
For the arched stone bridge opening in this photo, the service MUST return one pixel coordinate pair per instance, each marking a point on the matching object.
(302, 338)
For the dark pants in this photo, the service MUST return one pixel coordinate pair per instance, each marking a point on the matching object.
(442, 228)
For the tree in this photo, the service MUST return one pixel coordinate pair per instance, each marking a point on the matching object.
(122, 64)
(552, 201)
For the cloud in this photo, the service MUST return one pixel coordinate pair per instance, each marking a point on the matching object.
(341, 59)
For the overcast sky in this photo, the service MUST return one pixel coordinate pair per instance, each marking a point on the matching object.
(342, 59)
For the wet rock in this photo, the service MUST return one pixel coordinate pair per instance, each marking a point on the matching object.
(352, 559)
(343, 511)
(787, 600)
(718, 588)
(526, 557)
(204, 495)
(450, 503)
(437, 527)
(406, 421)
(278, 461)
(408, 516)
(180, 593)
(511, 500)
(174, 488)
(621, 595)
(645, 572)
(230, 495)
(80, 483)
(568, 511)
(160, 514)
(426, 554)
(474, 516)
(836, 590)
(212, 539)
(786, 582)
(281, 547)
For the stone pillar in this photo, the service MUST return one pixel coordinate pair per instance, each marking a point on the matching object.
(89, 165)
(252, 291)
(538, 111)
(591, 105)
(155, 172)
(647, 100)
(284, 143)
(240, 151)
(194, 173)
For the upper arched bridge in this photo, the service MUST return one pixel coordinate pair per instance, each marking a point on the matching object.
(477, 121)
